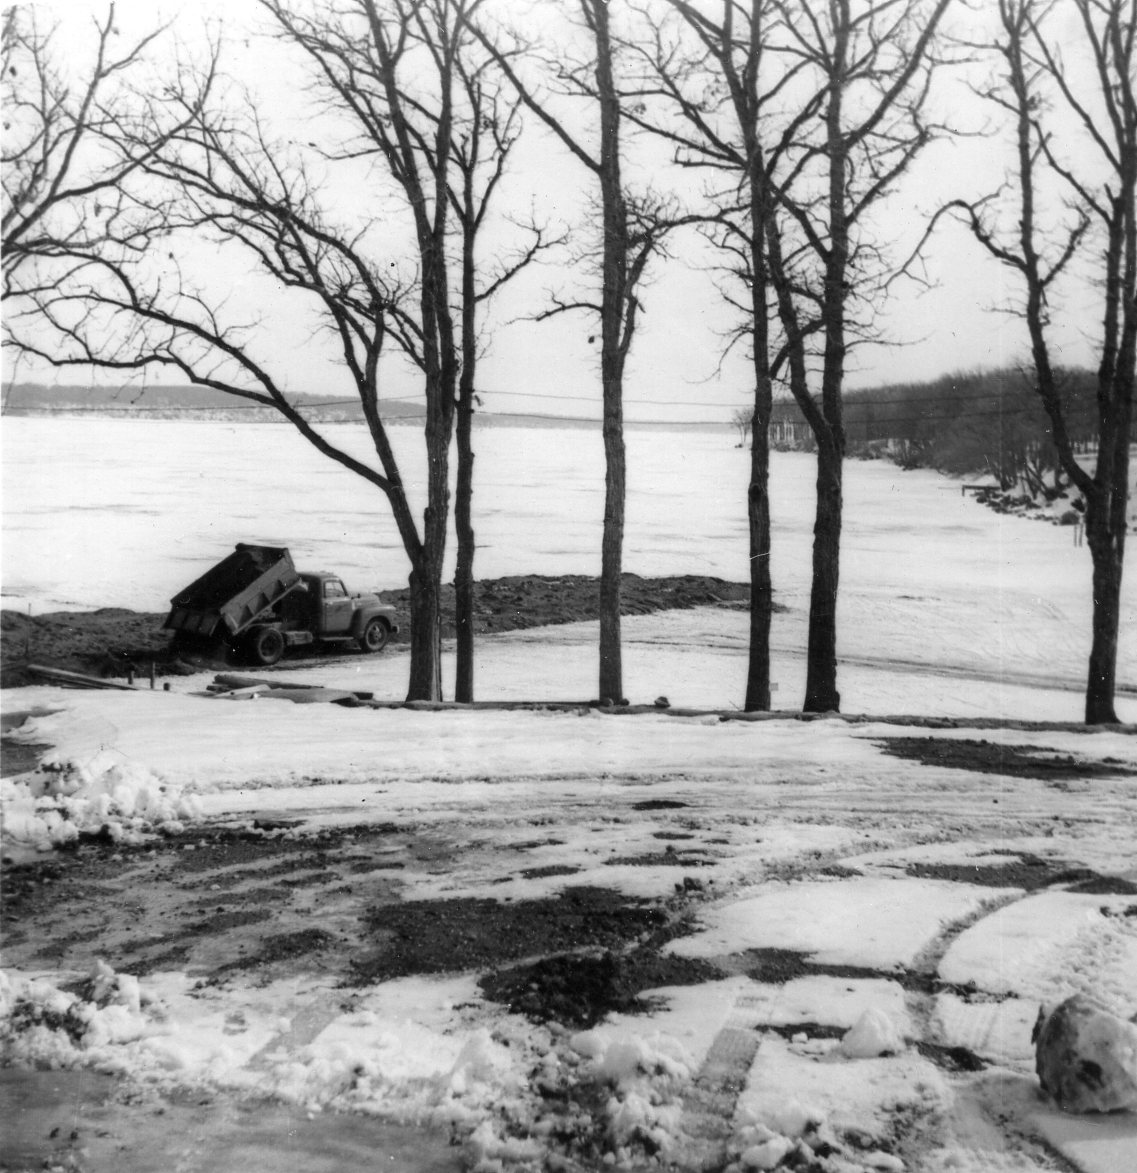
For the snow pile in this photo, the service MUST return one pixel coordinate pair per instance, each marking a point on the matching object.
(402, 1050)
(62, 799)
(873, 1035)
(642, 1074)
(48, 1026)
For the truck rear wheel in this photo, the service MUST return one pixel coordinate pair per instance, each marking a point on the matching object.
(375, 635)
(268, 645)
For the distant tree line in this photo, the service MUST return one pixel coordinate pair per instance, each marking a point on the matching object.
(979, 423)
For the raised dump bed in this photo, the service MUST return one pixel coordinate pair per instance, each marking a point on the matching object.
(236, 592)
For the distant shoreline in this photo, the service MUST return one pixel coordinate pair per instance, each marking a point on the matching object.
(268, 415)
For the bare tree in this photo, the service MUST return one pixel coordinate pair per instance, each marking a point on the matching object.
(391, 72)
(873, 65)
(1034, 88)
(743, 421)
(453, 150)
(61, 168)
(712, 77)
(480, 151)
(633, 230)
(814, 111)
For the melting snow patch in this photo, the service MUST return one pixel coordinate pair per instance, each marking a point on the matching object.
(798, 1100)
(1049, 946)
(871, 922)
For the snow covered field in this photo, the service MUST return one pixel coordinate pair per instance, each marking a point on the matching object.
(801, 838)
(834, 883)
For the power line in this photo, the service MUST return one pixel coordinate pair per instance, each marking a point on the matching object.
(850, 401)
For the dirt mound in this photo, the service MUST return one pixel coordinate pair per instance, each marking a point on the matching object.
(114, 642)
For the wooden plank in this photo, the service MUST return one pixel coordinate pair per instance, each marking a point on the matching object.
(75, 679)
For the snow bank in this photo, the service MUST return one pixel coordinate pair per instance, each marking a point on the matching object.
(54, 804)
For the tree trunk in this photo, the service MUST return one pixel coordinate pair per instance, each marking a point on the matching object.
(821, 695)
(1106, 524)
(758, 697)
(425, 682)
(1106, 551)
(464, 485)
(464, 569)
(426, 573)
(611, 550)
(614, 307)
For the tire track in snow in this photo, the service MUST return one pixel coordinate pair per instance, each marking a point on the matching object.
(708, 1110)
(977, 1137)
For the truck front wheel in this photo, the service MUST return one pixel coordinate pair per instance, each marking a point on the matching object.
(268, 645)
(375, 636)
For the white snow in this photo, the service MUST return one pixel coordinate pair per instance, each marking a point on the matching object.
(800, 834)
(1049, 946)
(876, 923)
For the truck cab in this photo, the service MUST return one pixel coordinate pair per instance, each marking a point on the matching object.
(334, 609)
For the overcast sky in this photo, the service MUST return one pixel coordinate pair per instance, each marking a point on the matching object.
(552, 367)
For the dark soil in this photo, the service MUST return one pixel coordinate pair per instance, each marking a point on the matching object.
(113, 642)
(1029, 872)
(1014, 761)
(224, 901)
(579, 990)
(426, 936)
(778, 966)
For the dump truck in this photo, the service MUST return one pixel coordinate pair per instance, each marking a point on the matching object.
(257, 604)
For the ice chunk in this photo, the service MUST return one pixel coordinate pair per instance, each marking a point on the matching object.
(874, 1034)
(767, 1155)
(1086, 1058)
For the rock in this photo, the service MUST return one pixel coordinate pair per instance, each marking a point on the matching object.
(1086, 1058)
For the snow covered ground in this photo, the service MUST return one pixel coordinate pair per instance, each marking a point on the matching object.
(894, 890)
(810, 840)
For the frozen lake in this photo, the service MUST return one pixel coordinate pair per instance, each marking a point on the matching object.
(114, 512)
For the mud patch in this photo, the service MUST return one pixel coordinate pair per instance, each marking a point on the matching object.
(19, 757)
(659, 804)
(209, 902)
(1014, 761)
(552, 869)
(1107, 886)
(1028, 872)
(778, 966)
(285, 947)
(442, 936)
(578, 991)
(954, 1059)
(661, 859)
